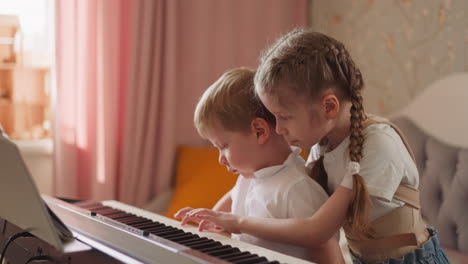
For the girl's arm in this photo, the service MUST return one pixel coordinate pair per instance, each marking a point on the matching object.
(224, 204)
(306, 232)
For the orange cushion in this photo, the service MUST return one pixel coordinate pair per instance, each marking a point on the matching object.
(200, 181)
(305, 154)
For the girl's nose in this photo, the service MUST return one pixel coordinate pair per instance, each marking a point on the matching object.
(279, 129)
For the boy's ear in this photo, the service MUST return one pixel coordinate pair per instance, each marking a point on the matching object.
(260, 127)
(331, 105)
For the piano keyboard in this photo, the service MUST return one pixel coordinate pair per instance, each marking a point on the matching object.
(165, 240)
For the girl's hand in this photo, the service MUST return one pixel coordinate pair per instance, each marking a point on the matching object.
(210, 219)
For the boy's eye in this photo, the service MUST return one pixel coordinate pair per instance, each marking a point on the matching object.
(221, 147)
(283, 117)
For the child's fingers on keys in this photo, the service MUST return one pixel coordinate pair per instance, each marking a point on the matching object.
(205, 225)
(195, 212)
(182, 212)
(212, 218)
(203, 211)
(191, 216)
(186, 219)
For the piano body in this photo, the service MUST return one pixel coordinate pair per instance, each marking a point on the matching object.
(113, 232)
(37, 229)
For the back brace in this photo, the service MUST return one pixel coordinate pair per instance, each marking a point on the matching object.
(397, 232)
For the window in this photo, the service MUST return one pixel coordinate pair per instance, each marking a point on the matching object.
(26, 67)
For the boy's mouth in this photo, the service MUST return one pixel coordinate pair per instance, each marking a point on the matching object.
(294, 142)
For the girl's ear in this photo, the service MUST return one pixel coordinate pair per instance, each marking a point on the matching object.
(260, 127)
(331, 105)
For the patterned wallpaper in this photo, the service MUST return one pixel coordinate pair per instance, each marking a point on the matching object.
(401, 46)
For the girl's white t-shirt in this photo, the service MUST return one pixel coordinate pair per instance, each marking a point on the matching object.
(385, 164)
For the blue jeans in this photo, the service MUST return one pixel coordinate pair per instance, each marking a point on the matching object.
(429, 253)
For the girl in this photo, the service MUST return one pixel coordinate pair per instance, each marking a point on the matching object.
(312, 86)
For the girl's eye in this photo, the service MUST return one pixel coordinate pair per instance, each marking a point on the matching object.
(283, 117)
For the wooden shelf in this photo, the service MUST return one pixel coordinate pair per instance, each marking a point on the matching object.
(24, 102)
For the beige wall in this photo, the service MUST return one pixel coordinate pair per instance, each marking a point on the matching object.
(400, 46)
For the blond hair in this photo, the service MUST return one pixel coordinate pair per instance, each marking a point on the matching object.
(307, 63)
(230, 102)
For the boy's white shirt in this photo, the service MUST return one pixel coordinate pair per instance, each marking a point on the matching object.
(385, 164)
(282, 191)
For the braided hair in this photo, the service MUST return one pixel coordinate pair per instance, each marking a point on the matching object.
(310, 63)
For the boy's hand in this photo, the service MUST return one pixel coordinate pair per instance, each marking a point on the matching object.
(184, 215)
(209, 220)
(183, 212)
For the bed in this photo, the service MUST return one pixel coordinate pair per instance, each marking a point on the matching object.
(436, 126)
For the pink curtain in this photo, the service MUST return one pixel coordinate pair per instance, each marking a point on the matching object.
(129, 74)
(92, 51)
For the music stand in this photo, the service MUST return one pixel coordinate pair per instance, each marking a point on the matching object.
(20, 202)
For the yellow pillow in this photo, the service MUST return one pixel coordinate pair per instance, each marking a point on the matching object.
(200, 180)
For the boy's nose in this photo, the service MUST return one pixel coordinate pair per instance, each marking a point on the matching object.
(222, 160)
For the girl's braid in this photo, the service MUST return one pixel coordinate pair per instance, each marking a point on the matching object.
(347, 71)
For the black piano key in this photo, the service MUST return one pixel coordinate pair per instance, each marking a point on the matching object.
(102, 209)
(120, 218)
(151, 226)
(160, 229)
(136, 221)
(207, 249)
(143, 223)
(251, 260)
(239, 258)
(124, 218)
(228, 257)
(129, 219)
(163, 233)
(183, 235)
(269, 262)
(163, 229)
(170, 233)
(199, 241)
(202, 240)
(149, 223)
(207, 245)
(116, 215)
(111, 212)
(223, 248)
(222, 252)
(157, 227)
(184, 239)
